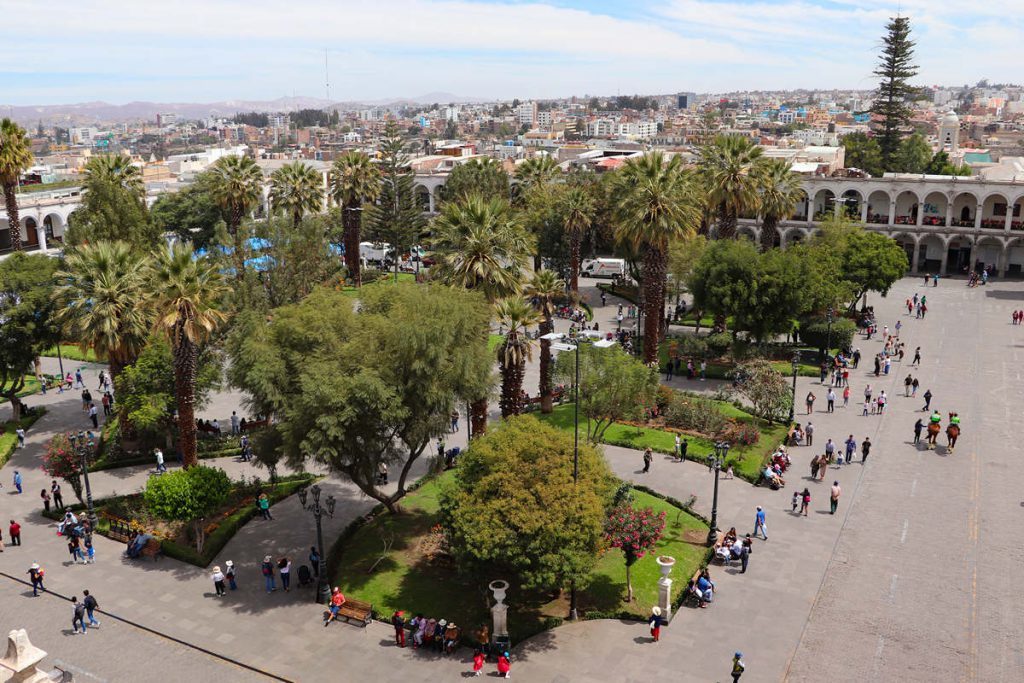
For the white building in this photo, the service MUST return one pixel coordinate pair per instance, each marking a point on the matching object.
(527, 114)
(544, 119)
(83, 135)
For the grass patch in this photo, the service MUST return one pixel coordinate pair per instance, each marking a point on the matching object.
(745, 460)
(415, 578)
(9, 440)
(72, 352)
(387, 279)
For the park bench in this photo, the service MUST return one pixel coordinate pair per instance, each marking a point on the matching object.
(251, 425)
(119, 530)
(152, 549)
(356, 609)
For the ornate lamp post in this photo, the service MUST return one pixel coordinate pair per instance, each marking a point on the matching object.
(83, 448)
(323, 591)
(828, 343)
(796, 368)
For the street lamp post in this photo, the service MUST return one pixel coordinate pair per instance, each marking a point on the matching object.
(721, 449)
(796, 368)
(828, 341)
(559, 344)
(323, 591)
(83, 447)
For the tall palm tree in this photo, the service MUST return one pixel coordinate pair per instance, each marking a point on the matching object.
(354, 180)
(731, 166)
(481, 246)
(185, 293)
(544, 288)
(237, 186)
(654, 205)
(780, 194)
(578, 208)
(102, 292)
(116, 169)
(536, 172)
(297, 189)
(517, 316)
(15, 157)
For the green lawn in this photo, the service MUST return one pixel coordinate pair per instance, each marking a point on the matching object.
(388, 279)
(72, 352)
(745, 460)
(414, 578)
(31, 386)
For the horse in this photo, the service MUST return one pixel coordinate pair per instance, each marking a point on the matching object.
(933, 434)
(952, 432)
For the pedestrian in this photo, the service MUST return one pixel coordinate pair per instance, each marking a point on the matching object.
(648, 457)
(229, 573)
(78, 379)
(264, 505)
(284, 567)
(865, 449)
(745, 550)
(907, 383)
(218, 581)
(913, 388)
(878, 366)
(93, 416)
(683, 448)
(703, 370)
(90, 551)
(86, 399)
(46, 500)
(679, 445)
(810, 402)
(867, 405)
(815, 464)
(805, 501)
(846, 395)
(268, 574)
(738, 667)
(809, 432)
(58, 500)
(504, 665)
(881, 402)
(478, 663)
(927, 400)
(105, 402)
(759, 523)
(851, 448)
(17, 480)
(90, 604)
(398, 621)
(455, 421)
(888, 364)
(918, 427)
(668, 370)
(856, 358)
(314, 560)
(796, 499)
(834, 499)
(160, 467)
(334, 607)
(78, 615)
(831, 398)
(75, 549)
(35, 575)
(917, 356)
(655, 621)
(830, 451)
(604, 298)
(899, 325)
(20, 433)
(234, 423)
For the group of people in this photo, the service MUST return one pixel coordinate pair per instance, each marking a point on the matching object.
(1018, 317)
(442, 636)
(674, 367)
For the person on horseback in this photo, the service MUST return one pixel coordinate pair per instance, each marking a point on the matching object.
(936, 418)
(954, 419)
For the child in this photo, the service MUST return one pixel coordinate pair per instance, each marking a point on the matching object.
(655, 623)
(90, 552)
(478, 663)
(504, 665)
(867, 405)
(796, 500)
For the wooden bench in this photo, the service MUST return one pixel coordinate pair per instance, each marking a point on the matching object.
(119, 530)
(152, 549)
(251, 425)
(356, 609)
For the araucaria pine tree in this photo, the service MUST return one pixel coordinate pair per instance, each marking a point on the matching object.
(396, 218)
(895, 68)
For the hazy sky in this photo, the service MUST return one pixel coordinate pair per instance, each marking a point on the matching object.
(59, 51)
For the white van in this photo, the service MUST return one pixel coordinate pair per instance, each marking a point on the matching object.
(604, 267)
(371, 252)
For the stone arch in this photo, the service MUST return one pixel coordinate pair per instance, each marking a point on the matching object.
(801, 212)
(1018, 213)
(824, 203)
(748, 231)
(1014, 256)
(29, 235)
(907, 206)
(54, 225)
(935, 206)
(931, 253)
(878, 207)
(423, 197)
(965, 207)
(908, 241)
(988, 253)
(792, 236)
(853, 201)
(993, 211)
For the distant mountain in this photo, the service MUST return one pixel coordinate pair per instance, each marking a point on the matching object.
(87, 113)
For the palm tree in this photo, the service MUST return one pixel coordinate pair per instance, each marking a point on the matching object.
(544, 288)
(185, 292)
(297, 189)
(578, 206)
(481, 246)
(354, 180)
(517, 316)
(731, 166)
(536, 172)
(15, 157)
(654, 205)
(116, 169)
(780, 193)
(237, 186)
(102, 293)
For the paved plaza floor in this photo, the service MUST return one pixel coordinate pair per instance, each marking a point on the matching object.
(913, 579)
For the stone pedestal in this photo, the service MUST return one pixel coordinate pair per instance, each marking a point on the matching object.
(19, 664)
(500, 610)
(665, 563)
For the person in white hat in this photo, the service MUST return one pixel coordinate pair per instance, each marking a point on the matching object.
(35, 573)
(218, 581)
(656, 621)
(229, 572)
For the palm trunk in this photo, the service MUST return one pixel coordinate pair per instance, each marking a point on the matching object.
(726, 223)
(574, 264)
(236, 237)
(350, 220)
(768, 232)
(13, 219)
(512, 388)
(478, 417)
(185, 353)
(546, 394)
(654, 268)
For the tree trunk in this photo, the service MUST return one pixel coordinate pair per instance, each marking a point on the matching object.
(15, 408)
(13, 219)
(629, 585)
(654, 269)
(512, 388)
(726, 223)
(236, 237)
(574, 264)
(768, 232)
(197, 526)
(185, 354)
(546, 394)
(350, 221)
(478, 417)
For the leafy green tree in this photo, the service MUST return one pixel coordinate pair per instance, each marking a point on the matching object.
(873, 262)
(779, 193)
(513, 509)
(544, 289)
(28, 315)
(354, 180)
(396, 218)
(15, 158)
(895, 69)
(115, 169)
(614, 386)
(296, 189)
(814, 331)
(731, 167)
(683, 255)
(190, 495)
(777, 298)
(111, 212)
(912, 156)
(724, 280)
(349, 389)
(515, 316)
(635, 533)
(185, 293)
(941, 165)
(864, 153)
(192, 214)
(483, 177)
(235, 183)
(765, 389)
(653, 200)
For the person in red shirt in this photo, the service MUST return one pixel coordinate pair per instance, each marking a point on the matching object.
(337, 600)
(478, 663)
(504, 665)
(15, 531)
